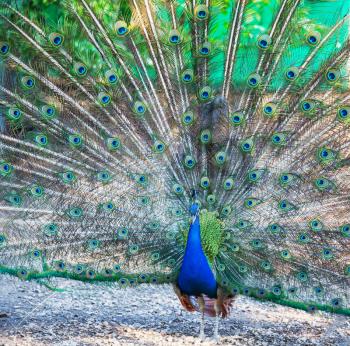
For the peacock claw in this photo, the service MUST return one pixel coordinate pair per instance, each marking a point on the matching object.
(216, 339)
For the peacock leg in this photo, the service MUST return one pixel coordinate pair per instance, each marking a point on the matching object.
(216, 327)
(201, 309)
(218, 311)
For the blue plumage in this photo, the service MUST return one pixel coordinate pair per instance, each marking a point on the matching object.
(196, 276)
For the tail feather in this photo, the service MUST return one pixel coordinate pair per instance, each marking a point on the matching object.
(110, 119)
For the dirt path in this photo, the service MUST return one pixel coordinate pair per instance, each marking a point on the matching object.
(87, 315)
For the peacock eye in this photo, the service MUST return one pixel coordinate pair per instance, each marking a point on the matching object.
(211, 199)
(80, 69)
(187, 76)
(50, 230)
(134, 249)
(103, 98)
(111, 77)
(205, 93)
(14, 114)
(78, 269)
(345, 230)
(36, 253)
(187, 118)
(22, 273)
(90, 274)
(139, 108)
(75, 140)
(235, 290)
(108, 272)
(178, 189)
(205, 136)
(292, 290)
(285, 254)
(68, 177)
(269, 109)
(302, 276)
(228, 184)
(113, 143)
(4, 48)
(159, 147)
(226, 210)
(326, 155)
(117, 268)
(307, 106)
(204, 50)
(237, 118)
(292, 73)
(336, 302)
(56, 39)
(60, 265)
(205, 182)
(243, 269)
(121, 28)
(264, 42)
(174, 37)
(313, 38)
(28, 82)
(37, 191)
(143, 201)
(261, 292)
(189, 162)
(5, 169)
(75, 212)
(103, 176)
(201, 12)
(318, 290)
(142, 179)
(332, 75)
(41, 140)
(343, 114)
(276, 290)
(254, 80)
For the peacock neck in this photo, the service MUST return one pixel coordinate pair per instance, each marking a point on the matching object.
(194, 237)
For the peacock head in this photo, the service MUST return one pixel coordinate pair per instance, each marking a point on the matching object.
(194, 209)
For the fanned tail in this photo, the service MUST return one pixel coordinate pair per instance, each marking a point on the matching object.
(114, 118)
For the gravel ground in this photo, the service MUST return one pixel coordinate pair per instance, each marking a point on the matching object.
(85, 315)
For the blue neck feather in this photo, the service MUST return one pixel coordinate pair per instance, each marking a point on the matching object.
(196, 277)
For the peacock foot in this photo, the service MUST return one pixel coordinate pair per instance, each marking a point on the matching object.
(216, 339)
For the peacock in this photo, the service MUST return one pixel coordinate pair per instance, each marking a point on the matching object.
(199, 143)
